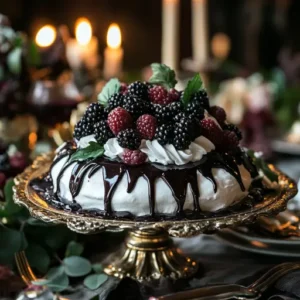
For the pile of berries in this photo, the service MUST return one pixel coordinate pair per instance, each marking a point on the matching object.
(146, 111)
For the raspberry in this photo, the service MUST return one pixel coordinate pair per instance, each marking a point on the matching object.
(134, 157)
(135, 106)
(102, 132)
(235, 129)
(115, 101)
(119, 119)
(164, 134)
(138, 89)
(123, 88)
(174, 95)
(129, 138)
(230, 141)
(157, 94)
(218, 113)
(146, 126)
(211, 131)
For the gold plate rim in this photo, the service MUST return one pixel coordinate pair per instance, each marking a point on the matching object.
(38, 208)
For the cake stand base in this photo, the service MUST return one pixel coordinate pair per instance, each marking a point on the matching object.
(150, 254)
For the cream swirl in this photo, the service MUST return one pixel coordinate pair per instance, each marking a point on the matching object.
(85, 141)
(112, 149)
(168, 154)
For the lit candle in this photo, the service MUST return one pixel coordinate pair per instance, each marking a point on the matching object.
(200, 31)
(46, 36)
(113, 54)
(170, 23)
(84, 49)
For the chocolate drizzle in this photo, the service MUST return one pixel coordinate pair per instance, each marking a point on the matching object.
(178, 178)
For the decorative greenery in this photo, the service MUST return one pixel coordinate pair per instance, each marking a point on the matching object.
(194, 85)
(92, 151)
(263, 166)
(112, 86)
(163, 75)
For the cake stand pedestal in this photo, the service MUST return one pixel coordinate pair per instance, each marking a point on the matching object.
(149, 252)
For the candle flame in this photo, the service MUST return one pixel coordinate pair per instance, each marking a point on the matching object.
(114, 37)
(83, 31)
(45, 36)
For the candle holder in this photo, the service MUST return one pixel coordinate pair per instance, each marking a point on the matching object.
(149, 252)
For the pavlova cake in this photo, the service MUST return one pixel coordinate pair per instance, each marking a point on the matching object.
(148, 150)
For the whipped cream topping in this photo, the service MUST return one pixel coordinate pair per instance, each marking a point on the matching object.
(85, 141)
(168, 154)
(112, 149)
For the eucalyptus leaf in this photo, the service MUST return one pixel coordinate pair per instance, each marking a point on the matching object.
(98, 268)
(14, 61)
(76, 266)
(194, 85)
(57, 237)
(74, 249)
(163, 75)
(112, 87)
(38, 257)
(92, 151)
(94, 281)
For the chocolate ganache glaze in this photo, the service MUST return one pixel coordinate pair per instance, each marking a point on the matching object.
(176, 177)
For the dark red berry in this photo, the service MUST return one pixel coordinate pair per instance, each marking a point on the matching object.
(159, 95)
(174, 95)
(2, 180)
(119, 119)
(211, 131)
(123, 88)
(134, 157)
(18, 161)
(146, 126)
(230, 141)
(218, 113)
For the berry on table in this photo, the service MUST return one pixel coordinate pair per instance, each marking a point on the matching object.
(134, 157)
(102, 132)
(119, 119)
(146, 126)
(129, 138)
(164, 134)
(218, 113)
(138, 89)
(159, 95)
(211, 131)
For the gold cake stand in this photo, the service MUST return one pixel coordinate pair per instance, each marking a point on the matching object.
(149, 251)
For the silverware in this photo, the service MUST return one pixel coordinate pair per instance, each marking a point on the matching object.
(234, 291)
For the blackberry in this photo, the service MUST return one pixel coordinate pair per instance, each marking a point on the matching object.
(195, 110)
(235, 129)
(179, 116)
(175, 108)
(129, 138)
(166, 113)
(138, 89)
(114, 101)
(164, 134)
(202, 98)
(94, 113)
(83, 128)
(135, 106)
(102, 132)
(182, 134)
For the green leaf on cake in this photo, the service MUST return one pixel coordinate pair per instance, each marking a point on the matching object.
(194, 85)
(163, 75)
(92, 151)
(112, 87)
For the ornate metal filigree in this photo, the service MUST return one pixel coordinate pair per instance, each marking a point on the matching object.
(25, 195)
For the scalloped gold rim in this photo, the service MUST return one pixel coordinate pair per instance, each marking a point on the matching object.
(26, 196)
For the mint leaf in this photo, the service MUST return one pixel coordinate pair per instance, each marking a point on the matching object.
(92, 151)
(194, 85)
(112, 87)
(163, 75)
